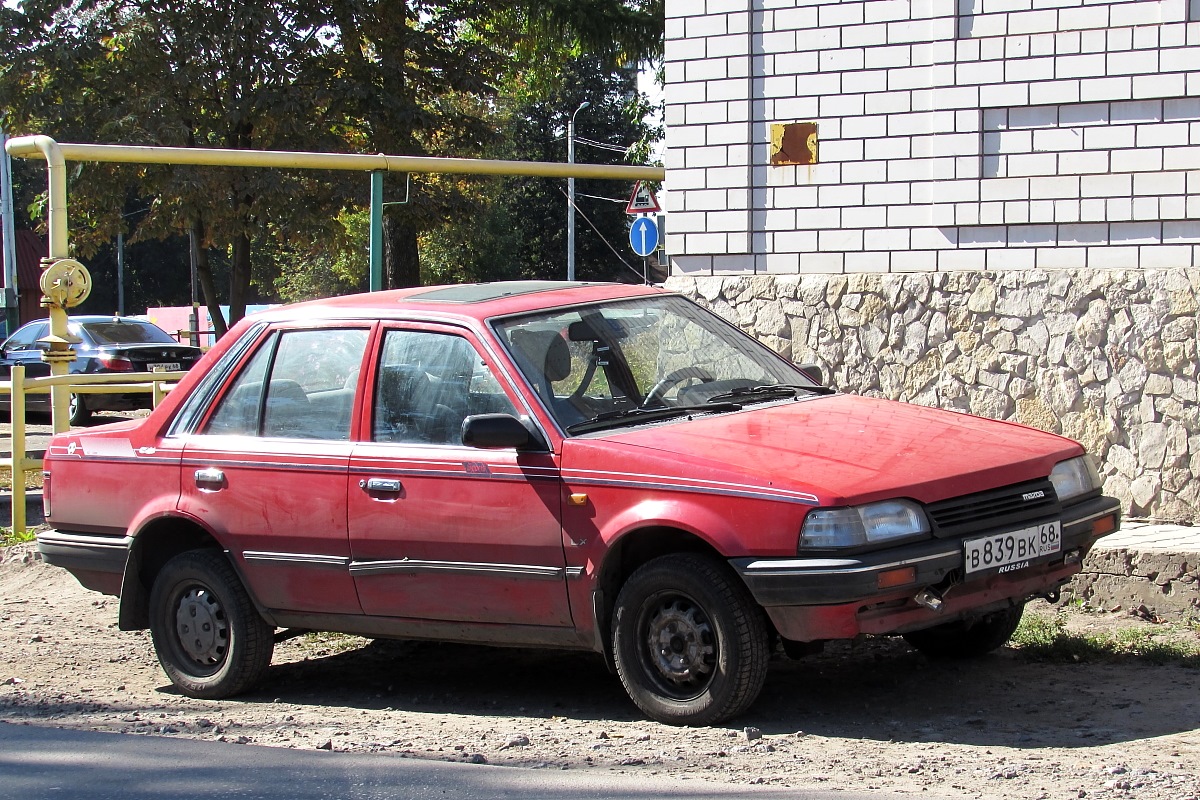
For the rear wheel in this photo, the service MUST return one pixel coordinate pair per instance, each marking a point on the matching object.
(208, 636)
(968, 638)
(690, 644)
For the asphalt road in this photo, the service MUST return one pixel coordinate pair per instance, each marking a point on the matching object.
(38, 763)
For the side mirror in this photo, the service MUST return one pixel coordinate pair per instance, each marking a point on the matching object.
(812, 372)
(501, 432)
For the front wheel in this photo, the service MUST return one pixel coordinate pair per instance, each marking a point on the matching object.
(690, 644)
(209, 638)
(968, 638)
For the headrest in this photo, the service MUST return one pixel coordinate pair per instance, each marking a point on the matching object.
(546, 351)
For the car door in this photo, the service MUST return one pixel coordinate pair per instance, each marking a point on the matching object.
(438, 530)
(267, 470)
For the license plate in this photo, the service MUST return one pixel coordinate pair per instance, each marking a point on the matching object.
(171, 366)
(1005, 552)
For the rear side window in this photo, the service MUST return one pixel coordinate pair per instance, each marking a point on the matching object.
(299, 385)
(126, 333)
(25, 338)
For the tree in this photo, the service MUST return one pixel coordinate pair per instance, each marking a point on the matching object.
(517, 229)
(331, 75)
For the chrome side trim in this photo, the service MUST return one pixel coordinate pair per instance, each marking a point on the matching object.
(574, 573)
(410, 566)
(301, 559)
(97, 542)
(794, 566)
(722, 490)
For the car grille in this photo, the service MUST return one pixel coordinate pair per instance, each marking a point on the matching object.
(997, 508)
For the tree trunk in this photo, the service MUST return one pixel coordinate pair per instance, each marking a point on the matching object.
(207, 287)
(401, 257)
(239, 277)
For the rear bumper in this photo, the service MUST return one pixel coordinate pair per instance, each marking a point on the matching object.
(835, 598)
(97, 561)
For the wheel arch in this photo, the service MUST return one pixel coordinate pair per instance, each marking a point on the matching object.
(630, 551)
(157, 542)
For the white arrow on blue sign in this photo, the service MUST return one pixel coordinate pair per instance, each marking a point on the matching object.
(643, 236)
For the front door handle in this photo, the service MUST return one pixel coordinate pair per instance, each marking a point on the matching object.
(211, 479)
(382, 485)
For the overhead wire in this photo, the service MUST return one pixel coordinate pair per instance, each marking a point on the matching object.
(616, 253)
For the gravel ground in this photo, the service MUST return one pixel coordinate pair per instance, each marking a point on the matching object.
(870, 714)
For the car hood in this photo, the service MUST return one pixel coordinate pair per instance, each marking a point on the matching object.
(841, 449)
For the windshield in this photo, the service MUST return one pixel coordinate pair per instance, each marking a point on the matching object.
(124, 332)
(636, 360)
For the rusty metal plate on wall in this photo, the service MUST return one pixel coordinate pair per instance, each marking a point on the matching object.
(793, 144)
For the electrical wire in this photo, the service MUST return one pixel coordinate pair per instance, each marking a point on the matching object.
(601, 145)
(588, 220)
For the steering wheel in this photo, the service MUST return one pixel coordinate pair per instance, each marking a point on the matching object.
(655, 395)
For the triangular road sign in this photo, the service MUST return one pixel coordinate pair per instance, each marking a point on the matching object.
(642, 201)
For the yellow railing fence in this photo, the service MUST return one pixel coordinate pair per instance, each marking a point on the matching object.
(18, 387)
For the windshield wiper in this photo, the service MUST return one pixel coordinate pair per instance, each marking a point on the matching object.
(633, 416)
(768, 391)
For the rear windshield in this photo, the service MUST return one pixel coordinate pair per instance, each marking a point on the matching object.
(126, 333)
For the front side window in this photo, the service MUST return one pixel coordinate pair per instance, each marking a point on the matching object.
(427, 384)
(299, 384)
(640, 359)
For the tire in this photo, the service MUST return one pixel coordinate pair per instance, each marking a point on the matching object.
(716, 653)
(78, 412)
(198, 592)
(968, 638)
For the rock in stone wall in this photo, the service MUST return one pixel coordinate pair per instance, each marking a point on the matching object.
(1164, 582)
(1105, 357)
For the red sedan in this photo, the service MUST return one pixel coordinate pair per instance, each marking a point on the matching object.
(597, 467)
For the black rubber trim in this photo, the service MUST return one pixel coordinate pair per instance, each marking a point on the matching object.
(830, 579)
(82, 551)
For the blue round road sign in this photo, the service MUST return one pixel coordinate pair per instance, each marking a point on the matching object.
(643, 236)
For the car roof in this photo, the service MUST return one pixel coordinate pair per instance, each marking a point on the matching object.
(472, 301)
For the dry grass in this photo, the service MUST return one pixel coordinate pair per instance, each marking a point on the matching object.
(33, 479)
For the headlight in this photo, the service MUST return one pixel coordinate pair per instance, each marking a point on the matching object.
(1074, 477)
(862, 525)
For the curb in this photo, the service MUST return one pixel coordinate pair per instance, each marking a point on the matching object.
(34, 513)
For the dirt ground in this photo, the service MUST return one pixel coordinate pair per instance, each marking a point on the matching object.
(867, 715)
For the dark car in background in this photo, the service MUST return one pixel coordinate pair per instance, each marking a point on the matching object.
(107, 344)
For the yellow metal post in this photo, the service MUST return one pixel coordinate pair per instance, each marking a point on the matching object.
(17, 404)
(60, 354)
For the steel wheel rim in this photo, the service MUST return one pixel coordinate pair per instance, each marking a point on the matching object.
(678, 645)
(201, 629)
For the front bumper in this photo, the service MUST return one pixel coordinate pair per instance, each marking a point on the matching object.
(831, 597)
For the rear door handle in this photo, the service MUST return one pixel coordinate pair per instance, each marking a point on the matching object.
(382, 485)
(211, 479)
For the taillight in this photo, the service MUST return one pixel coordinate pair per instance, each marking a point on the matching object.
(46, 494)
(115, 363)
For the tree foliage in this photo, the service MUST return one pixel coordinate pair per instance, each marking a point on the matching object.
(394, 76)
(518, 228)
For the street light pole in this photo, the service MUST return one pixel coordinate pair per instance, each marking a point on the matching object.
(571, 194)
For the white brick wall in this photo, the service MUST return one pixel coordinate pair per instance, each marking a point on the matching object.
(954, 134)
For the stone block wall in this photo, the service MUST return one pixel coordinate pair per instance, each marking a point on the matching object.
(1106, 357)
